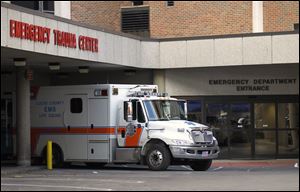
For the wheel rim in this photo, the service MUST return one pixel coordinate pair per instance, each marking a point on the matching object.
(156, 158)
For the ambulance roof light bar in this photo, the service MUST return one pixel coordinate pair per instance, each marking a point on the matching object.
(147, 94)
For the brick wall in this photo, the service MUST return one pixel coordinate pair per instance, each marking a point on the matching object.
(195, 18)
(104, 14)
(280, 15)
(191, 18)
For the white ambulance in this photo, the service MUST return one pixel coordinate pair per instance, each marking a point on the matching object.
(109, 124)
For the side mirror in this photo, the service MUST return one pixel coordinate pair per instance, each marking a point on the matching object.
(128, 111)
(183, 105)
(185, 110)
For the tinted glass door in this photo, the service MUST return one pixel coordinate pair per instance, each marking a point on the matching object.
(240, 130)
(265, 130)
(231, 125)
(218, 119)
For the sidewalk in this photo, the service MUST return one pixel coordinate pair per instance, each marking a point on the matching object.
(8, 169)
(257, 163)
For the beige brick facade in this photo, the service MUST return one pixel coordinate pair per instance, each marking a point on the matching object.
(280, 15)
(191, 18)
(197, 18)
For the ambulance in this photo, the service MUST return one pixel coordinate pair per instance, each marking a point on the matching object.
(116, 124)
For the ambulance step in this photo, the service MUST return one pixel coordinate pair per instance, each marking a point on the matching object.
(128, 155)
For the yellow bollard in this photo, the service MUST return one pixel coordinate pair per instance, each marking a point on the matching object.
(49, 155)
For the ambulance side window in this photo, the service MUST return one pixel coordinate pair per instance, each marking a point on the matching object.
(134, 110)
(140, 113)
(76, 105)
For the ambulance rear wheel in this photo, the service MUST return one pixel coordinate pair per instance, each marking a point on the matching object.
(158, 157)
(57, 157)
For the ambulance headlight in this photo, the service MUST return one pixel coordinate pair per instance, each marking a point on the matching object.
(181, 142)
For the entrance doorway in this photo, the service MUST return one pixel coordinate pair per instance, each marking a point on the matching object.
(232, 127)
(249, 127)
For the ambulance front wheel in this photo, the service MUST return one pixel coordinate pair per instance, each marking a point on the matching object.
(201, 165)
(158, 157)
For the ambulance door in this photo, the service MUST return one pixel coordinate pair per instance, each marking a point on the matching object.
(130, 135)
(76, 126)
(99, 130)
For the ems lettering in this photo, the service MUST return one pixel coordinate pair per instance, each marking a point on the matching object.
(49, 109)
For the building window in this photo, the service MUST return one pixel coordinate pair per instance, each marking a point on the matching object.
(137, 3)
(48, 7)
(296, 26)
(76, 105)
(170, 3)
(43, 6)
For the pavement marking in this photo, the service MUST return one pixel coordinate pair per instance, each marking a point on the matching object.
(218, 168)
(185, 167)
(56, 186)
(74, 179)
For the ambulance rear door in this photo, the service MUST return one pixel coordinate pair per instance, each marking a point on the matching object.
(76, 126)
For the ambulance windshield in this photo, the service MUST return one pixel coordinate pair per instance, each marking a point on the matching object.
(164, 110)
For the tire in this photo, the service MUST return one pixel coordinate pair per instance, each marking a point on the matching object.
(201, 165)
(158, 157)
(57, 157)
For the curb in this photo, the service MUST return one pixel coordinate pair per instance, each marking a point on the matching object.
(256, 163)
(19, 169)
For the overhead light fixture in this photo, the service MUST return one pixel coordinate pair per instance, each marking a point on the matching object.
(130, 72)
(63, 75)
(83, 69)
(54, 66)
(20, 62)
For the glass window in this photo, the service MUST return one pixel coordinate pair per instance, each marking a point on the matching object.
(137, 3)
(194, 110)
(48, 5)
(159, 110)
(134, 110)
(141, 116)
(27, 4)
(264, 115)
(170, 3)
(288, 124)
(76, 105)
(44, 6)
(288, 115)
(288, 142)
(265, 143)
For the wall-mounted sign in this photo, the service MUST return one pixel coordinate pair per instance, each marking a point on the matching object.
(41, 34)
(253, 84)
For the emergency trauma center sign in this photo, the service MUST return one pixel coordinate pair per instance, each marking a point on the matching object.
(41, 34)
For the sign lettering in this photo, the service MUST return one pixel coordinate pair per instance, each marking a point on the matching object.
(40, 34)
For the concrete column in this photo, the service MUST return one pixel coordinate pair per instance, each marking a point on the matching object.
(257, 17)
(23, 117)
(62, 9)
(159, 79)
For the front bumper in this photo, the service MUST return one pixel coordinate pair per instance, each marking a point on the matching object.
(195, 152)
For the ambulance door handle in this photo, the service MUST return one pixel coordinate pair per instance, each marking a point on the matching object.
(92, 126)
(69, 127)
